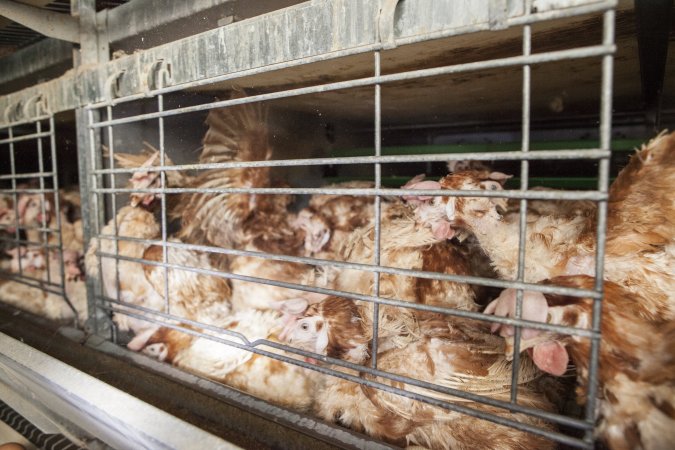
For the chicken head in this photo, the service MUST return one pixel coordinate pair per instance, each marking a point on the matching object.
(8, 220)
(444, 214)
(143, 180)
(310, 334)
(27, 258)
(460, 210)
(425, 211)
(317, 231)
(30, 210)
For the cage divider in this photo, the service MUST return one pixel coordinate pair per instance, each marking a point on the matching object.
(378, 211)
(43, 206)
(608, 24)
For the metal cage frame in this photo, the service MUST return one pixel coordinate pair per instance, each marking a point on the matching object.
(36, 119)
(95, 105)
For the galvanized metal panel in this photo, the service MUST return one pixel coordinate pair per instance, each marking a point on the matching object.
(310, 31)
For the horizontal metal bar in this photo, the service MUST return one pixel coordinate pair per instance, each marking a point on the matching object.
(236, 75)
(387, 159)
(34, 283)
(26, 137)
(582, 52)
(530, 195)
(28, 243)
(27, 175)
(31, 227)
(30, 120)
(253, 347)
(28, 191)
(275, 420)
(546, 289)
(379, 300)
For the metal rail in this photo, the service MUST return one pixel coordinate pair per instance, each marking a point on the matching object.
(547, 289)
(530, 195)
(253, 347)
(372, 299)
(333, 36)
(539, 155)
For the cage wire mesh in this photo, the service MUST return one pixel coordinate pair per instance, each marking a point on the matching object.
(141, 267)
(40, 271)
(107, 186)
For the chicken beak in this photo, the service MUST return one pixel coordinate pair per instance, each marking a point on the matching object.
(134, 200)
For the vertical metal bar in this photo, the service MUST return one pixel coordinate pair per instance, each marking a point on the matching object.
(378, 210)
(113, 199)
(57, 212)
(162, 178)
(17, 221)
(522, 219)
(603, 186)
(43, 203)
(88, 162)
(94, 50)
(96, 213)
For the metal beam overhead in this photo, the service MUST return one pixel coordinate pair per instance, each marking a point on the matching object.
(49, 23)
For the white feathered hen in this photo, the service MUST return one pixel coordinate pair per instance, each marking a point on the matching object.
(266, 378)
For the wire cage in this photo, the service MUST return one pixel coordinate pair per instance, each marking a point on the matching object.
(349, 125)
(104, 183)
(34, 212)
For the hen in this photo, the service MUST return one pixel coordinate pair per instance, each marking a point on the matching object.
(47, 303)
(328, 220)
(266, 378)
(403, 245)
(193, 296)
(455, 353)
(550, 240)
(242, 221)
(640, 251)
(8, 225)
(149, 156)
(31, 215)
(636, 371)
(640, 246)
